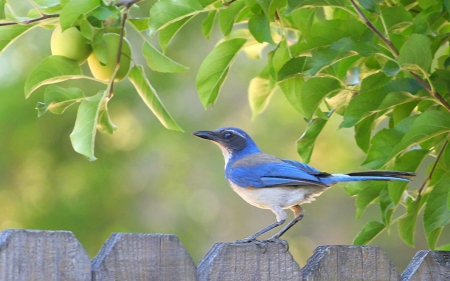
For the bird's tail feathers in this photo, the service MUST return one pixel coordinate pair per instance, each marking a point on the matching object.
(385, 174)
(370, 176)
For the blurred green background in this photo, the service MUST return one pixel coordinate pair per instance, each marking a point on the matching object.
(152, 180)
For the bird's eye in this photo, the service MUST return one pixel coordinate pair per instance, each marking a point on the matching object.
(227, 135)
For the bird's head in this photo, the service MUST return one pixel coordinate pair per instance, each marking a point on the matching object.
(232, 141)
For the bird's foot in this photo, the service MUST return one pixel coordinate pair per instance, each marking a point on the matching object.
(246, 241)
(275, 240)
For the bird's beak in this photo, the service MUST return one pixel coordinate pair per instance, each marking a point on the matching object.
(207, 135)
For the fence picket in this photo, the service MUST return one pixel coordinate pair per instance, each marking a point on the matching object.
(228, 261)
(366, 263)
(428, 266)
(42, 255)
(132, 256)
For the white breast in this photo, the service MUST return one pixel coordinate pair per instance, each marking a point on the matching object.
(283, 197)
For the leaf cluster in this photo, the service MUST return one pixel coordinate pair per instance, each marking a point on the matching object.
(382, 66)
(94, 19)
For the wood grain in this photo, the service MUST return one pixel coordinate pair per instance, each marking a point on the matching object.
(240, 262)
(32, 255)
(132, 256)
(344, 263)
(428, 266)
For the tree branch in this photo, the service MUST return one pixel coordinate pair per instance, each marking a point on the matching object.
(119, 52)
(44, 17)
(396, 54)
(434, 167)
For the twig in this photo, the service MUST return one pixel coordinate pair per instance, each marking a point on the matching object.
(396, 54)
(434, 167)
(29, 21)
(374, 29)
(119, 51)
(228, 3)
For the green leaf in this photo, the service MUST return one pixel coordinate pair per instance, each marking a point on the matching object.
(87, 30)
(208, 24)
(305, 144)
(368, 102)
(159, 62)
(367, 195)
(58, 99)
(363, 132)
(436, 214)
(105, 125)
(278, 58)
(292, 67)
(228, 16)
(407, 223)
(384, 141)
(52, 69)
(416, 51)
(370, 5)
(442, 167)
(368, 233)
(374, 81)
(386, 206)
(297, 4)
(403, 110)
(259, 93)
(260, 28)
(314, 91)
(353, 188)
(291, 88)
(307, 96)
(445, 247)
(214, 69)
(140, 24)
(390, 68)
(302, 20)
(166, 35)
(74, 9)
(83, 134)
(395, 16)
(150, 97)
(409, 161)
(429, 124)
(325, 33)
(10, 33)
(103, 13)
(166, 12)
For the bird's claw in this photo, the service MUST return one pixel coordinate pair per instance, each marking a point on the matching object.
(262, 244)
(274, 240)
(246, 241)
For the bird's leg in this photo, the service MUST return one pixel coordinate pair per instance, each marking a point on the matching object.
(281, 218)
(298, 213)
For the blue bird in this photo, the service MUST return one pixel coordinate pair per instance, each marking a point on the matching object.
(269, 182)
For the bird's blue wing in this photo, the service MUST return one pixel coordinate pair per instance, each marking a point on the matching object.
(302, 166)
(262, 170)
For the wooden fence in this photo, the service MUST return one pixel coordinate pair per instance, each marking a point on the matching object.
(57, 255)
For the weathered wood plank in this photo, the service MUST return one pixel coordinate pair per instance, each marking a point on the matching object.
(428, 266)
(240, 262)
(344, 263)
(134, 257)
(27, 255)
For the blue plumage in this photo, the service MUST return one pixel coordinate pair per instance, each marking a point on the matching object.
(269, 182)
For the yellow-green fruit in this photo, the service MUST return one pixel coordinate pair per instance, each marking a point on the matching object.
(70, 44)
(104, 72)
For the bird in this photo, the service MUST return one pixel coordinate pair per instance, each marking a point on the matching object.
(268, 182)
